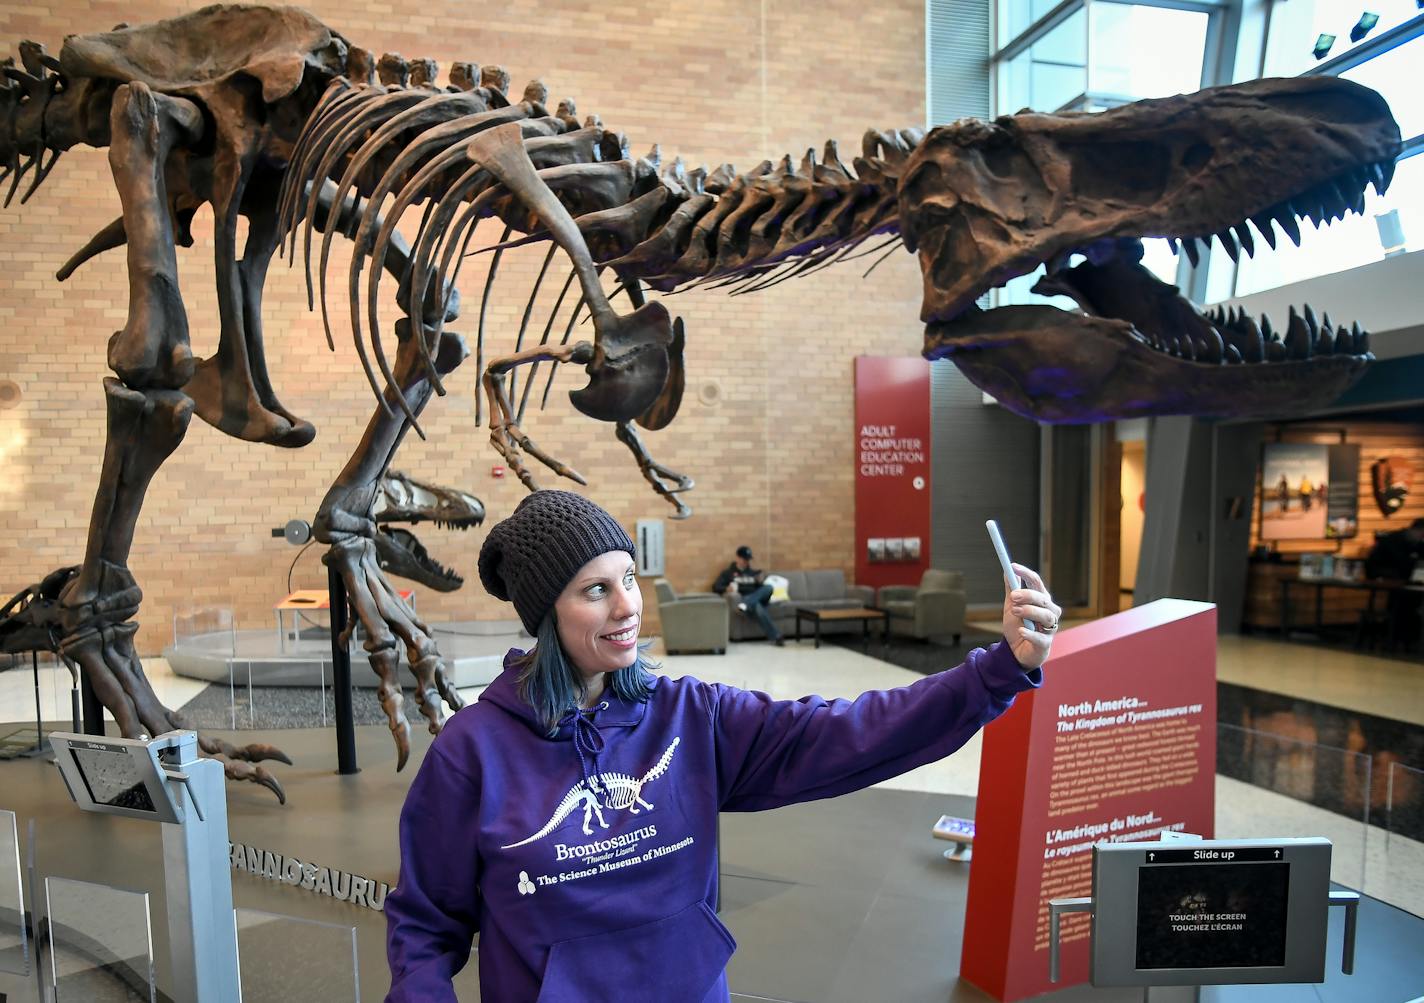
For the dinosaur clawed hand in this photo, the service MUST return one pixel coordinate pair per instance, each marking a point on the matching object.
(237, 762)
(390, 622)
(510, 441)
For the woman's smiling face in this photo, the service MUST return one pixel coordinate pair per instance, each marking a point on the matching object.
(599, 613)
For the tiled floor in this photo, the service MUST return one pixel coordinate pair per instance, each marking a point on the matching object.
(1387, 866)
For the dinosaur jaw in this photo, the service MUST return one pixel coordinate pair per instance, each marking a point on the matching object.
(984, 203)
(401, 553)
(403, 499)
(1139, 348)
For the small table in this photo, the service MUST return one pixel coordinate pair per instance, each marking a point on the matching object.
(818, 616)
(303, 600)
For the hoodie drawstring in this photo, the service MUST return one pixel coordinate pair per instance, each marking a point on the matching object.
(588, 742)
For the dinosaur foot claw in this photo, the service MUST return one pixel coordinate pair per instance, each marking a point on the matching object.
(255, 752)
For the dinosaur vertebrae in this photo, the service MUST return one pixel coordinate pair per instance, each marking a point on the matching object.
(405, 142)
(619, 791)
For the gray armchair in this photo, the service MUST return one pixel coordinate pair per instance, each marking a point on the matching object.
(934, 607)
(693, 622)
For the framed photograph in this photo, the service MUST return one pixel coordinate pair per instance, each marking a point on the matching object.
(875, 549)
(895, 548)
(1295, 483)
(912, 548)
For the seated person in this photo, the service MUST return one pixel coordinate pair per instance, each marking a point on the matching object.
(750, 584)
(1395, 554)
(1393, 557)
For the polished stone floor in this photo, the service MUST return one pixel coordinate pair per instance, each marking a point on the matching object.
(1368, 856)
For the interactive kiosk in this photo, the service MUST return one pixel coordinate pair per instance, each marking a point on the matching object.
(1189, 913)
(163, 780)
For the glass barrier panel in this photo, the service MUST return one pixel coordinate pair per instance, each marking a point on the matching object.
(207, 627)
(1270, 784)
(99, 941)
(283, 958)
(1397, 860)
(14, 931)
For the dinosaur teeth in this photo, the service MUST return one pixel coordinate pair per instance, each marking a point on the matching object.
(1189, 245)
(1243, 234)
(1214, 347)
(1264, 227)
(1253, 341)
(1229, 244)
(1298, 337)
(1286, 218)
(1377, 178)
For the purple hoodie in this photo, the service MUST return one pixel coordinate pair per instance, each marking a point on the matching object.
(588, 863)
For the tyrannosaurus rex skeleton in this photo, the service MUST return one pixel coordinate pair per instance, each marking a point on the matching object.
(265, 113)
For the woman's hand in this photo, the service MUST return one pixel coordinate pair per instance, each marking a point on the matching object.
(1031, 602)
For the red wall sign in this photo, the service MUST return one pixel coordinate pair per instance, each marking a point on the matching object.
(892, 470)
(1118, 744)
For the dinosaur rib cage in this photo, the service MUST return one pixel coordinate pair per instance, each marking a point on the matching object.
(383, 149)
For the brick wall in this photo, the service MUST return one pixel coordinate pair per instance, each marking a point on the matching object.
(727, 80)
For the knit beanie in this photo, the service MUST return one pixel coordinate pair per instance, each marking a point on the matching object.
(529, 558)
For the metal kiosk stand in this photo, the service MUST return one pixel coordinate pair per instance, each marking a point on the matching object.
(163, 780)
(1176, 915)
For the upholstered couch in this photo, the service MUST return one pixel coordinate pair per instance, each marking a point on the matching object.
(694, 621)
(933, 608)
(818, 589)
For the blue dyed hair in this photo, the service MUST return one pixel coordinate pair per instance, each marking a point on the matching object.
(550, 684)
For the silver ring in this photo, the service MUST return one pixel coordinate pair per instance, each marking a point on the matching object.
(1051, 626)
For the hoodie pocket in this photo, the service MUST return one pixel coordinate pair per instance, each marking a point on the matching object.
(676, 958)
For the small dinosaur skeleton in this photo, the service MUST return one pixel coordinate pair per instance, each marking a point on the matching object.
(618, 790)
(268, 114)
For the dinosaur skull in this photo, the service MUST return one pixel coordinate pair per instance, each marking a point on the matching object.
(983, 203)
(402, 499)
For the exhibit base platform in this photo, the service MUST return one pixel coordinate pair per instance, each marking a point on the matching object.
(838, 901)
(287, 657)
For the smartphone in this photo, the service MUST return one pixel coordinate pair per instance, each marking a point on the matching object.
(1011, 578)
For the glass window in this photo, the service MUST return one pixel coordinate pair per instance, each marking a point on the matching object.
(1049, 73)
(1145, 52)
(1395, 74)
(1016, 15)
(1394, 222)
(1296, 24)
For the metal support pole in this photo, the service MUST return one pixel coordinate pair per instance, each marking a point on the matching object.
(201, 935)
(93, 709)
(1351, 902)
(341, 675)
(1057, 908)
(39, 715)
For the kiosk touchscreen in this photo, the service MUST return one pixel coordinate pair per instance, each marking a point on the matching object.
(1212, 912)
(116, 776)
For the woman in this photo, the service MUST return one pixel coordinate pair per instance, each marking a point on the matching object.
(570, 815)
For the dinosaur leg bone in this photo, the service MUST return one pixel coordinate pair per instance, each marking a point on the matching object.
(95, 606)
(344, 523)
(665, 481)
(505, 434)
(229, 388)
(152, 349)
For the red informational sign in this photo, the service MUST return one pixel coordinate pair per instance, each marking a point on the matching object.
(1118, 745)
(892, 470)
